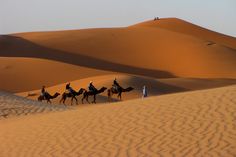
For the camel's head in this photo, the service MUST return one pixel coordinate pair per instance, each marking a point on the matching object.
(57, 94)
(103, 89)
(130, 89)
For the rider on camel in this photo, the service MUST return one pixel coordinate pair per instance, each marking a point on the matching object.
(91, 87)
(116, 85)
(43, 91)
(69, 89)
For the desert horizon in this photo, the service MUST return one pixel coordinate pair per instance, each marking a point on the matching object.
(162, 87)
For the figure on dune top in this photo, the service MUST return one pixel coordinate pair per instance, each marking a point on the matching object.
(156, 18)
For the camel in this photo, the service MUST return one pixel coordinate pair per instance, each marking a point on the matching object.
(92, 93)
(48, 97)
(73, 95)
(119, 91)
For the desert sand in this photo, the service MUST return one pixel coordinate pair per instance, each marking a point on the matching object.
(200, 123)
(189, 72)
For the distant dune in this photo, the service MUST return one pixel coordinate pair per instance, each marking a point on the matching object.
(200, 123)
(164, 48)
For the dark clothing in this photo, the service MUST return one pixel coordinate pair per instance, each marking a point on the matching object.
(91, 87)
(69, 89)
(43, 90)
(116, 83)
(68, 86)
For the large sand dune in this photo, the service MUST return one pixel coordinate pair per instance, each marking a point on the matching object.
(200, 123)
(159, 51)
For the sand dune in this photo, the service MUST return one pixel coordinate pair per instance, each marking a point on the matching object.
(168, 56)
(181, 26)
(200, 123)
(158, 51)
(25, 74)
(11, 106)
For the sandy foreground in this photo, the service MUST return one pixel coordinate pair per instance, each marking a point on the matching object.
(199, 123)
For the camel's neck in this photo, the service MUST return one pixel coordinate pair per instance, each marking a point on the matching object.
(54, 96)
(100, 91)
(126, 89)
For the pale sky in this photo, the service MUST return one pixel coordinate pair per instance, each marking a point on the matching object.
(42, 15)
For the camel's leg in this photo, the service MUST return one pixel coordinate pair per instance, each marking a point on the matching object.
(84, 96)
(48, 101)
(94, 99)
(64, 100)
(76, 100)
(119, 95)
(87, 99)
(82, 100)
(72, 98)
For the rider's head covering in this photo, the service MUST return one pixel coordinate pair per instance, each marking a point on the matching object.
(91, 82)
(115, 79)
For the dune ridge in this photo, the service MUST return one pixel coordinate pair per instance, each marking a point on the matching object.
(200, 123)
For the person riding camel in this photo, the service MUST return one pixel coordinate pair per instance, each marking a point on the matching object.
(69, 89)
(116, 85)
(43, 91)
(91, 87)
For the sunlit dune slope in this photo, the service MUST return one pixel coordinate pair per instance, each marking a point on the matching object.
(184, 27)
(158, 51)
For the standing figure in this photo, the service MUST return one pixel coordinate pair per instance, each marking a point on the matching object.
(145, 94)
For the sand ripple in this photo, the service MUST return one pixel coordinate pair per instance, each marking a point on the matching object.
(201, 123)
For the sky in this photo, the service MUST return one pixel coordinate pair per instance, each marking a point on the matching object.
(45, 15)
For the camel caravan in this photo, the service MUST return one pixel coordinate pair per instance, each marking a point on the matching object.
(92, 91)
